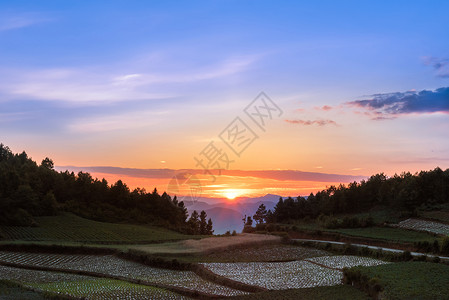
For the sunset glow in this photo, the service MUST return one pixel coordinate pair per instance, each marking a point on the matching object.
(149, 86)
(230, 194)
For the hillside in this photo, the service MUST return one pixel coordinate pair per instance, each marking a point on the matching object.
(29, 191)
(71, 228)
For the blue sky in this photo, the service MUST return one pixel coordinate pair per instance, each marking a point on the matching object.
(146, 84)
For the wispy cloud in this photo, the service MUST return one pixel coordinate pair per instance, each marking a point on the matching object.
(391, 105)
(440, 65)
(124, 121)
(100, 84)
(324, 108)
(17, 21)
(312, 122)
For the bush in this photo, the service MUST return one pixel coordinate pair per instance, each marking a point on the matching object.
(271, 227)
(247, 229)
(261, 227)
(445, 246)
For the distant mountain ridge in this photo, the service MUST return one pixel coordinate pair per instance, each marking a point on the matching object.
(228, 214)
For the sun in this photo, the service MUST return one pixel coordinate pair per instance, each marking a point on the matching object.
(230, 194)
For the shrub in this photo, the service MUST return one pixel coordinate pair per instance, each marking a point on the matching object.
(261, 227)
(445, 246)
(247, 229)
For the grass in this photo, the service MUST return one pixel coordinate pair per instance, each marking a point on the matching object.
(106, 289)
(264, 253)
(439, 215)
(339, 292)
(12, 291)
(207, 245)
(387, 234)
(71, 228)
(409, 280)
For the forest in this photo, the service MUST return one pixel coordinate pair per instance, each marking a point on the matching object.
(403, 193)
(28, 190)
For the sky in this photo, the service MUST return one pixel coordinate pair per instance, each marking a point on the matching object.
(349, 88)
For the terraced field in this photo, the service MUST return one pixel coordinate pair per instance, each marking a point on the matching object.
(346, 261)
(313, 268)
(312, 272)
(114, 266)
(71, 228)
(424, 225)
(278, 276)
(83, 286)
(266, 253)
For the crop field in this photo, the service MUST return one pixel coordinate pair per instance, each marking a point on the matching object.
(387, 234)
(423, 225)
(34, 276)
(105, 289)
(71, 228)
(278, 275)
(346, 261)
(12, 291)
(410, 280)
(209, 244)
(114, 266)
(266, 253)
(83, 286)
(337, 292)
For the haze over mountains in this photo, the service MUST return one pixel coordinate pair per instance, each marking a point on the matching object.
(228, 214)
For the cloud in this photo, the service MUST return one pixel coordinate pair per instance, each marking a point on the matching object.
(97, 85)
(440, 65)
(312, 122)
(391, 105)
(20, 21)
(169, 173)
(325, 108)
(124, 121)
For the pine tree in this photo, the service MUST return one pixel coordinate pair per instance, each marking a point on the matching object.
(203, 222)
(209, 226)
(261, 214)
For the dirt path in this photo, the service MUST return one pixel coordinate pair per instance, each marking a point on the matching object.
(208, 245)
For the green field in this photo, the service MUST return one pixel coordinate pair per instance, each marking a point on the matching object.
(265, 253)
(409, 280)
(71, 228)
(339, 292)
(13, 291)
(106, 289)
(387, 233)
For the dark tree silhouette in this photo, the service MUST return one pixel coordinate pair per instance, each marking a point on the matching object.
(261, 214)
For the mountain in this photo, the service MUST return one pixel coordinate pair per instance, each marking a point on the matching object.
(228, 215)
(225, 219)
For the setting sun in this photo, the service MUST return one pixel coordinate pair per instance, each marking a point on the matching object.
(230, 194)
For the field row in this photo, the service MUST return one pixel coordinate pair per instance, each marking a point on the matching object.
(346, 261)
(84, 286)
(114, 266)
(291, 275)
(423, 225)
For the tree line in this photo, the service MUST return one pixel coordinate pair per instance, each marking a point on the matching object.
(403, 193)
(28, 190)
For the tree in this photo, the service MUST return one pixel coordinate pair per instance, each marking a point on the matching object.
(249, 221)
(47, 163)
(261, 214)
(194, 223)
(209, 226)
(203, 222)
